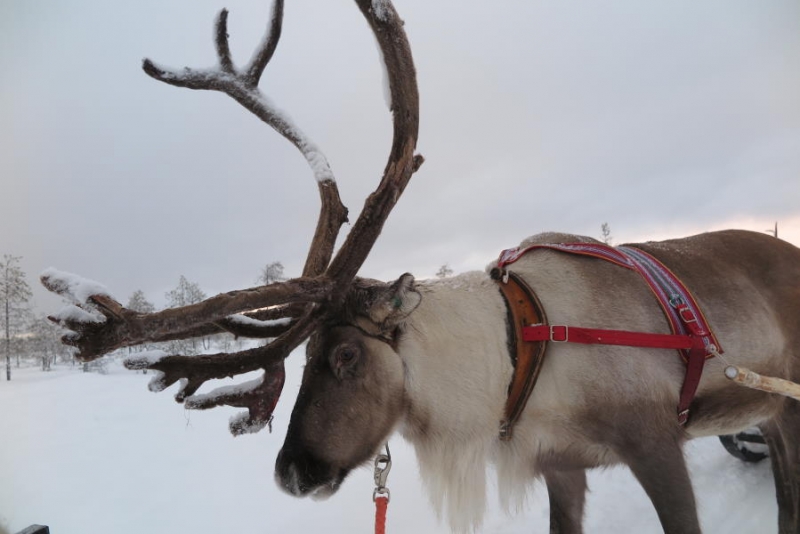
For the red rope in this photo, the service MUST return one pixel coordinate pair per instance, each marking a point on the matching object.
(381, 502)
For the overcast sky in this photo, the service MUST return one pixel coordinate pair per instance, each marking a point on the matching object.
(661, 118)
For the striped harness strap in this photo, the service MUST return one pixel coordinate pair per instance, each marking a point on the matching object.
(691, 335)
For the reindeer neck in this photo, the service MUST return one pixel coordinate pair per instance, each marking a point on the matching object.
(455, 352)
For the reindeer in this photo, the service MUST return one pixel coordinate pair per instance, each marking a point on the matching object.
(431, 359)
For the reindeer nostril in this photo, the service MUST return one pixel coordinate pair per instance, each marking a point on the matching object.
(292, 481)
(287, 474)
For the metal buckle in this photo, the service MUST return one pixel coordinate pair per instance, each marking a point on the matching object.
(688, 316)
(552, 334)
(383, 464)
(378, 492)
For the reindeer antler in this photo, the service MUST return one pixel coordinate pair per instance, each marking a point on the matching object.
(290, 311)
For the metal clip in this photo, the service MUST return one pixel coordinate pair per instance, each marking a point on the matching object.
(676, 300)
(683, 417)
(505, 430)
(383, 464)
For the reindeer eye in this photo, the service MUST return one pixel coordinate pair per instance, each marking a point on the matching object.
(346, 355)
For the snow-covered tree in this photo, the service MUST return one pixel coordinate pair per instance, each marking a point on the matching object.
(272, 272)
(185, 294)
(444, 271)
(15, 293)
(44, 342)
(139, 303)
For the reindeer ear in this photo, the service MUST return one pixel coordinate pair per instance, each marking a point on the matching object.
(395, 303)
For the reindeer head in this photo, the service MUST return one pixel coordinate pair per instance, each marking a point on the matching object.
(352, 391)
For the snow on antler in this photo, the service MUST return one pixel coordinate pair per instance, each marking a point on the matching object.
(381, 9)
(259, 396)
(242, 85)
(76, 314)
(73, 287)
(79, 291)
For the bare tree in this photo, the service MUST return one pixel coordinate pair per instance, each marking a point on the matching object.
(184, 294)
(605, 230)
(15, 293)
(773, 231)
(444, 271)
(292, 309)
(271, 273)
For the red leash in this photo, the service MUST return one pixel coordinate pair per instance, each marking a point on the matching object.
(381, 503)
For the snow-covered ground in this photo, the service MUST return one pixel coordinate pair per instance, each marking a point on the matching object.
(89, 453)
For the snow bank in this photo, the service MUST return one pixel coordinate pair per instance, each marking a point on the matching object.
(83, 452)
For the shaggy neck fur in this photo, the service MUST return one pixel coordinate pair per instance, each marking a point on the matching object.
(457, 365)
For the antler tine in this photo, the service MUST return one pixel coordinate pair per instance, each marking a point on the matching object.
(198, 369)
(264, 52)
(242, 86)
(264, 323)
(95, 334)
(402, 163)
(260, 396)
(223, 50)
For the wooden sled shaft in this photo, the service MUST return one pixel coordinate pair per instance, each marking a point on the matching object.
(746, 377)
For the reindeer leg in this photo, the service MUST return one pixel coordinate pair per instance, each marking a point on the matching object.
(567, 492)
(659, 466)
(784, 451)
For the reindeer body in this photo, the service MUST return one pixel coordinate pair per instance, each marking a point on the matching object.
(593, 405)
(432, 359)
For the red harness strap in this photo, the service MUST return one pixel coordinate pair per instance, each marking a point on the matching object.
(590, 336)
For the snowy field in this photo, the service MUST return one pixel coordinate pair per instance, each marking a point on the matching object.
(86, 453)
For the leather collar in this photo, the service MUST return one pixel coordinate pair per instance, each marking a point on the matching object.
(524, 309)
